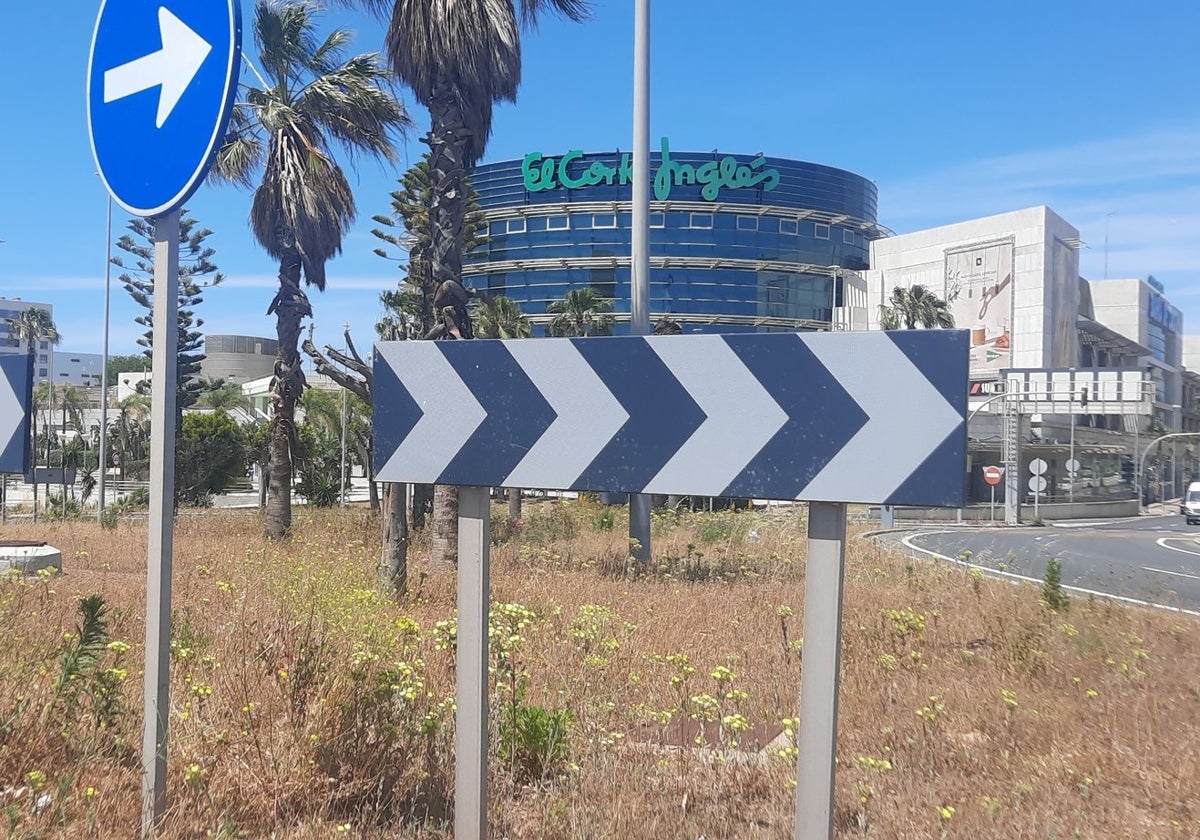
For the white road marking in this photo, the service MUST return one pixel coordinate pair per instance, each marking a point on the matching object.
(1166, 572)
(1162, 541)
(1013, 576)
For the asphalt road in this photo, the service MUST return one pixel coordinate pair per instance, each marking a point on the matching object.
(1155, 559)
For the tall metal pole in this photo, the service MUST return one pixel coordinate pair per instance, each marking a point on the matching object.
(821, 669)
(103, 465)
(639, 299)
(160, 540)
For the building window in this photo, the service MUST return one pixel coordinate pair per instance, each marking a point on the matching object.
(42, 372)
(848, 237)
(821, 231)
(497, 228)
(516, 225)
(557, 223)
(701, 220)
(747, 222)
(581, 221)
(604, 220)
(658, 220)
(42, 358)
(45, 346)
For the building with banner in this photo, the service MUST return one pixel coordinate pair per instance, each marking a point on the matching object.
(737, 242)
(1093, 366)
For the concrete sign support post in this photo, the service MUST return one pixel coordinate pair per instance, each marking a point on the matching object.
(639, 301)
(471, 721)
(156, 697)
(820, 669)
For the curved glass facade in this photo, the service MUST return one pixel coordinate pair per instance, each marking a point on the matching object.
(737, 242)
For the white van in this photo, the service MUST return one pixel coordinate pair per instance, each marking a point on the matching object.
(1191, 503)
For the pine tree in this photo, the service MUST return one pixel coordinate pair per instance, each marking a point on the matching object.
(197, 273)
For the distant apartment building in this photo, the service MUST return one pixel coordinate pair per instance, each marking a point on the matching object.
(11, 308)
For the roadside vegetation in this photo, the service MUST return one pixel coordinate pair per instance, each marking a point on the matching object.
(625, 702)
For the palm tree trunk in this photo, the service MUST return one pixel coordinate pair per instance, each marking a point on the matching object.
(450, 144)
(290, 305)
(444, 554)
(393, 565)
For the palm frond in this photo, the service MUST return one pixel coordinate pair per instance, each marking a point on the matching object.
(285, 35)
(305, 197)
(240, 155)
(576, 10)
(358, 112)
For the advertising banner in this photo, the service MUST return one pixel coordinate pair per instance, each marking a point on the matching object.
(979, 289)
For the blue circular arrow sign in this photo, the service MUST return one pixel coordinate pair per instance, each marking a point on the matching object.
(162, 76)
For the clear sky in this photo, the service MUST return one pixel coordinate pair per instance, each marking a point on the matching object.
(955, 109)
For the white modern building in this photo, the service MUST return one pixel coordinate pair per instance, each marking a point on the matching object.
(1013, 281)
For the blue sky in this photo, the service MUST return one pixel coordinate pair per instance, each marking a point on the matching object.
(955, 110)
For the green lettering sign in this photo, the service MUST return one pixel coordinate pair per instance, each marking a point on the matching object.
(541, 173)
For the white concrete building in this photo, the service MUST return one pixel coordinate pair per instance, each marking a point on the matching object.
(12, 308)
(1012, 279)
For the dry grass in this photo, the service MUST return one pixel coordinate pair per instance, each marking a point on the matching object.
(305, 704)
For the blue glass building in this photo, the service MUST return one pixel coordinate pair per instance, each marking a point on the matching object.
(737, 242)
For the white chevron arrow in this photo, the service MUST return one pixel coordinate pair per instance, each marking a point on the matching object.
(171, 68)
(741, 415)
(907, 418)
(12, 413)
(451, 413)
(588, 414)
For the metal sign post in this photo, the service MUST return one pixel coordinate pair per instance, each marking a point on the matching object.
(156, 698)
(821, 669)
(785, 416)
(161, 81)
(471, 694)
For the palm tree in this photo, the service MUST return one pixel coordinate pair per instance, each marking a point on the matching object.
(30, 327)
(501, 317)
(581, 312)
(312, 98)
(217, 393)
(915, 306)
(458, 59)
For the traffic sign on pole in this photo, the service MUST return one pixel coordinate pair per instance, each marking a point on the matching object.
(826, 418)
(160, 88)
(993, 475)
(161, 82)
(16, 395)
(870, 417)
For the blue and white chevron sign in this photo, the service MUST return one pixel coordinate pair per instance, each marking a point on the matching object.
(16, 395)
(877, 417)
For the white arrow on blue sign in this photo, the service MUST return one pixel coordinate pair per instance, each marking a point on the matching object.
(161, 84)
(842, 417)
(16, 395)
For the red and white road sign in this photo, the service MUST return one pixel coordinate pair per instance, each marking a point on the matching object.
(993, 475)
